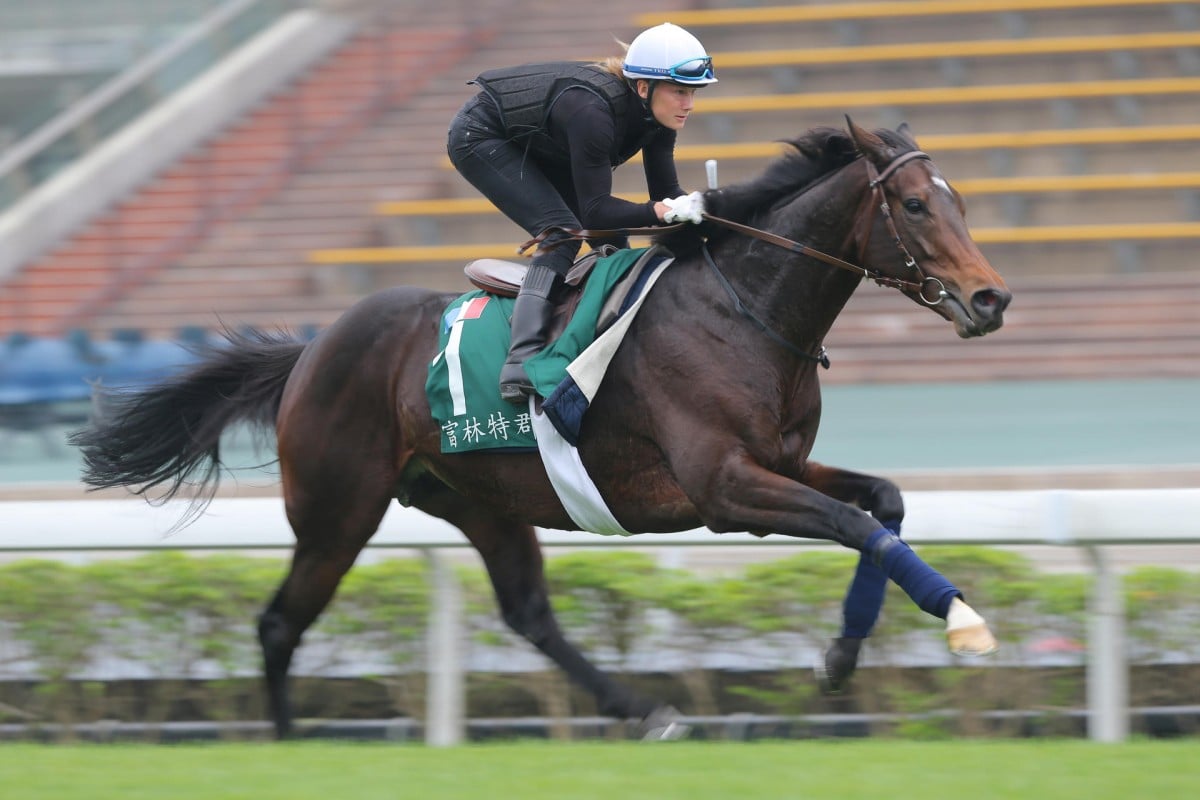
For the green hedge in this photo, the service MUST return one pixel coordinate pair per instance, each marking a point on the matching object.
(178, 620)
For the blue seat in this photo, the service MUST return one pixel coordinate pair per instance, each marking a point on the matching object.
(37, 370)
(130, 361)
(43, 370)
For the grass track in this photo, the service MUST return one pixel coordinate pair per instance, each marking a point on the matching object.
(854, 770)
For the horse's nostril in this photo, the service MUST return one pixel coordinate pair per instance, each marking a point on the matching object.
(990, 302)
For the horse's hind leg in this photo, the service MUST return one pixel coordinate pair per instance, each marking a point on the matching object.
(329, 537)
(513, 558)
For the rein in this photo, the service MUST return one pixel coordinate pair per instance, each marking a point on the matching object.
(876, 180)
(551, 237)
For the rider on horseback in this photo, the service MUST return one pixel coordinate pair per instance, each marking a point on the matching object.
(541, 140)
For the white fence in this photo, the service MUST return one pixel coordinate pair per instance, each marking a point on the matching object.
(1092, 520)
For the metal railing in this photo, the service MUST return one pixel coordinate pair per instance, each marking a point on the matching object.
(1092, 520)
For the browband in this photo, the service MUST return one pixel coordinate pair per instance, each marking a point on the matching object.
(897, 164)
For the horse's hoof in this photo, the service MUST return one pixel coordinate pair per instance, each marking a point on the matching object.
(834, 668)
(972, 640)
(663, 724)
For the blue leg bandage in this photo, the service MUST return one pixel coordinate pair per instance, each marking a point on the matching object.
(864, 598)
(927, 587)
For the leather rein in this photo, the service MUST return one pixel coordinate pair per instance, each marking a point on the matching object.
(876, 179)
(553, 236)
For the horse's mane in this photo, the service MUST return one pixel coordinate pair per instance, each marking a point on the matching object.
(812, 156)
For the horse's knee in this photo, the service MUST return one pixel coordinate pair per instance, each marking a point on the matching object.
(886, 503)
(531, 618)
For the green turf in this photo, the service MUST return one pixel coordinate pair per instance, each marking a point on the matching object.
(845, 770)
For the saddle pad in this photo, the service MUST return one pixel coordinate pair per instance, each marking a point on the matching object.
(463, 384)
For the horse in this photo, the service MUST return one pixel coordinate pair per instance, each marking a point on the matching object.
(705, 418)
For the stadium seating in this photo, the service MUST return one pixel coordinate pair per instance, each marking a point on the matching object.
(439, 220)
(953, 95)
(887, 11)
(1067, 124)
(1125, 181)
(969, 48)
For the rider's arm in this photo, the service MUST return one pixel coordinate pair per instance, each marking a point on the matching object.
(658, 159)
(587, 127)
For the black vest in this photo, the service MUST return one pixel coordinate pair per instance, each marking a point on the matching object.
(526, 94)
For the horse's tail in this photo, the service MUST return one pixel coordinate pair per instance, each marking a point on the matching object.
(169, 434)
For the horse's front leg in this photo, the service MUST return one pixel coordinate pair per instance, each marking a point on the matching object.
(741, 494)
(864, 598)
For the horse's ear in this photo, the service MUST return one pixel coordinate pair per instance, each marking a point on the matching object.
(907, 133)
(868, 143)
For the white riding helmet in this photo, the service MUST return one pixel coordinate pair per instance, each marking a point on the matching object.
(667, 52)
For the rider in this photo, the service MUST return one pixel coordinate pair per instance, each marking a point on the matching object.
(541, 140)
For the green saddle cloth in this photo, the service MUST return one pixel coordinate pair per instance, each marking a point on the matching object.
(463, 386)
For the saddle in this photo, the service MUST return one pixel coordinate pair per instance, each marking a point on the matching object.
(500, 277)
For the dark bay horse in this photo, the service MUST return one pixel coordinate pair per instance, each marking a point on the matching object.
(706, 416)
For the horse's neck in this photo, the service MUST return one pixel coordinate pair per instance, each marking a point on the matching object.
(800, 297)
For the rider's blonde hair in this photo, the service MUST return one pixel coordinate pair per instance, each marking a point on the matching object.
(614, 64)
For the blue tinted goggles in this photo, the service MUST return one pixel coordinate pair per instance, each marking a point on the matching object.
(693, 70)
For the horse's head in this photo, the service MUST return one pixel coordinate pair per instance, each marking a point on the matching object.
(914, 228)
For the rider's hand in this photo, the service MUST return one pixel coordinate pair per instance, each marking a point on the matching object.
(687, 208)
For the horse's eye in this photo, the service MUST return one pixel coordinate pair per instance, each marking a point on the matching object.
(914, 206)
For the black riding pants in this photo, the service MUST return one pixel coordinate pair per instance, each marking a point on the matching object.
(504, 173)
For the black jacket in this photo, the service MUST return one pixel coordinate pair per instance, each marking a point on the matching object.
(578, 122)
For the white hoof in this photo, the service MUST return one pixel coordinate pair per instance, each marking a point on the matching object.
(671, 732)
(966, 632)
(973, 640)
(664, 725)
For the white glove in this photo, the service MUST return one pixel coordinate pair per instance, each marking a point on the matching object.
(688, 208)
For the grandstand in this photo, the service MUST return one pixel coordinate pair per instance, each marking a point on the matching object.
(1069, 125)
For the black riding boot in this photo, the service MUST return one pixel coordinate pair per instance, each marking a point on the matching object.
(530, 326)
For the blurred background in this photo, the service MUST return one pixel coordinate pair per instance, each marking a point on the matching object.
(167, 169)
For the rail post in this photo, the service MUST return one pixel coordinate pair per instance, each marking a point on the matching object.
(445, 691)
(1108, 669)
